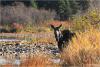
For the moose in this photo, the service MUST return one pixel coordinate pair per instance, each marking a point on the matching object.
(62, 37)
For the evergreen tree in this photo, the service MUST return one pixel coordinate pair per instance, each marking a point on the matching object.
(83, 4)
(64, 8)
(33, 3)
(74, 6)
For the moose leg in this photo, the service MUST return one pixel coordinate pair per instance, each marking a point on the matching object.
(60, 46)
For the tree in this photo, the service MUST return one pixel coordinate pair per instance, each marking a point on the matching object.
(26, 2)
(83, 4)
(33, 3)
(74, 6)
(64, 8)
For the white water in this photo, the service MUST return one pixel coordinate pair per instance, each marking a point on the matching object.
(4, 61)
(6, 40)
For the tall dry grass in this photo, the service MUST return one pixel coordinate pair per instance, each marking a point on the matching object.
(83, 49)
(7, 65)
(38, 61)
(84, 21)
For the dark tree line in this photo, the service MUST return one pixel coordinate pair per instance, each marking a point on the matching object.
(11, 2)
(64, 8)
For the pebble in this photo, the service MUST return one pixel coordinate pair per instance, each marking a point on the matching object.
(18, 49)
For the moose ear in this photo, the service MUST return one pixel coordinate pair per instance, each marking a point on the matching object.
(59, 26)
(52, 26)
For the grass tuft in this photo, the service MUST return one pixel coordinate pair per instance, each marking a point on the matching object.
(83, 49)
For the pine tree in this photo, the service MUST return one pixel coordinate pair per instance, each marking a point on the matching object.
(33, 3)
(64, 8)
(83, 4)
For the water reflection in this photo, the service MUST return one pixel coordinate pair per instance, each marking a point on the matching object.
(4, 61)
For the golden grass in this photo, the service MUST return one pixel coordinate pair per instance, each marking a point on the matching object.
(38, 61)
(44, 40)
(7, 65)
(83, 49)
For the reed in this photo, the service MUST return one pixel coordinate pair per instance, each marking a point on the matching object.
(83, 49)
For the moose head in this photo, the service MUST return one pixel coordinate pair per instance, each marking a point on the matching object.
(57, 32)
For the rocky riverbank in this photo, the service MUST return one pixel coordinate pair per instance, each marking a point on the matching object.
(20, 52)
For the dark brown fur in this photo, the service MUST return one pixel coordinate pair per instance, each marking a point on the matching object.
(66, 36)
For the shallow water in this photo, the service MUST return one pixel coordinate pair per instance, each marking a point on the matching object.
(4, 61)
(12, 54)
(7, 40)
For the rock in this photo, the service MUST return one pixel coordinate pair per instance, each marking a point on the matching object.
(33, 49)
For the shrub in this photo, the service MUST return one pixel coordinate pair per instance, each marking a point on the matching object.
(87, 20)
(21, 14)
(64, 8)
(83, 49)
(81, 23)
(16, 27)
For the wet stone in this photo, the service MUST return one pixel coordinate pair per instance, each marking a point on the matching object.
(34, 48)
